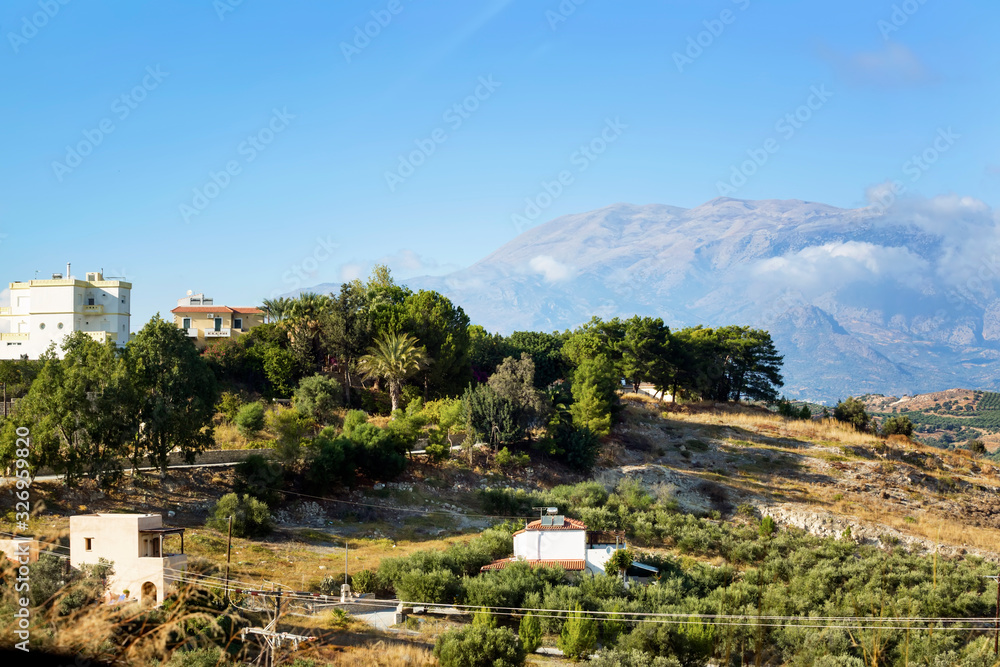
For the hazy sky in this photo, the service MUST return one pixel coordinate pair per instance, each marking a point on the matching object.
(246, 148)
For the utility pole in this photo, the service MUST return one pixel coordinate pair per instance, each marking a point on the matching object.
(272, 638)
(346, 548)
(229, 551)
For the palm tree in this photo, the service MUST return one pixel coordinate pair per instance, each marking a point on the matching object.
(394, 357)
(276, 309)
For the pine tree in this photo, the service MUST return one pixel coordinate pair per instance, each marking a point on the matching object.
(530, 633)
(578, 636)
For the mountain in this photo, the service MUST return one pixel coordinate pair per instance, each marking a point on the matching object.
(859, 301)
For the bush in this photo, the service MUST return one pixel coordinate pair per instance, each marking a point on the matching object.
(332, 461)
(250, 419)
(633, 658)
(530, 632)
(976, 447)
(199, 657)
(379, 453)
(259, 478)
(354, 419)
(367, 581)
(437, 586)
(852, 411)
(479, 647)
(229, 405)
(578, 635)
(317, 397)
(897, 425)
(251, 517)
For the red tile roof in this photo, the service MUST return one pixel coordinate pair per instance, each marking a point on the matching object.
(568, 524)
(566, 564)
(217, 309)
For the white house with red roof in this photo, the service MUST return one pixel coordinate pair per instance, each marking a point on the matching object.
(559, 540)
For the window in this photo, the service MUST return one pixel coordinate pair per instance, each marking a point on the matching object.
(60, 325)
(186, 323)
(42, 325)
(218, 324)
(238, 323)
(90, 301)
(88, 543)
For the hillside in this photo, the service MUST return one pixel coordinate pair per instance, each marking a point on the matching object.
(857, 302)
(946, 417)
(729, 464)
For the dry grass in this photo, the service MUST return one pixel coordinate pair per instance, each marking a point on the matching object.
(296, 561)
(383, 654)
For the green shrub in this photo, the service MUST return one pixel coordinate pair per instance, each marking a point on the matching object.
(317, 397)
(479, 647)
(578, 636)
(250, 419)
(484, 618)
(897, 425)
(229, 405)
(437, 586)
(332, 462)
(251, 517)
(767, 527)
(379, 453)
(199, 657)
(367, 581)
(352, 420)
(530, 632)
(852, 411)
(260, 478)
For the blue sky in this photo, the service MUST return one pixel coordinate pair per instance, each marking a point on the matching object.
(302, 121)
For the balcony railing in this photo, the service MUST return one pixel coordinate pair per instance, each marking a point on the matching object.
(93, 309)
(14, 336)
(4, 310)
(218, 333)
(192, 332)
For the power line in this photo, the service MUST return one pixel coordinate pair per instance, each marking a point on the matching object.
(397, 509)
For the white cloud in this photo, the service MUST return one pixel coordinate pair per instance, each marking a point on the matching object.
(819, 269)
(893, 65)
(349, 272)
(552, 270)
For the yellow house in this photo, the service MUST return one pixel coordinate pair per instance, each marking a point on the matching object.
(203, 321)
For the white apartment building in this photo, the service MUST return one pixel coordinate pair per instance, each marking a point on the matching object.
(43, 312)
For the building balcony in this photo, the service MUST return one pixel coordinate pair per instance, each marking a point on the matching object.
(192, 332)
(218, 333)
(102, 336)
(93, 309)
(14, 336)
(4, 310)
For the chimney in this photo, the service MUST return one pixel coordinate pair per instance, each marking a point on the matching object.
(67, 269)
